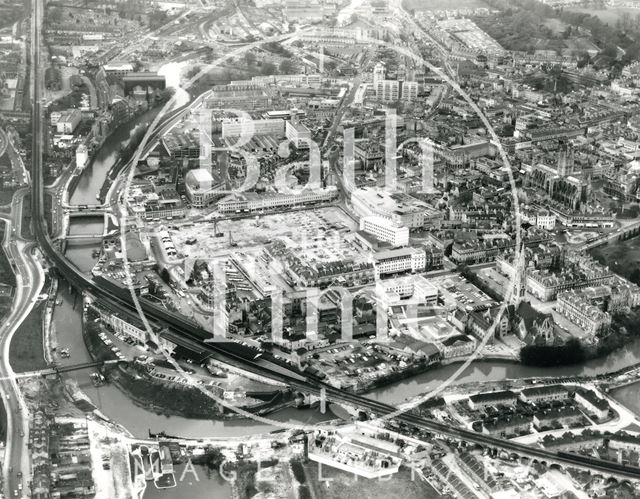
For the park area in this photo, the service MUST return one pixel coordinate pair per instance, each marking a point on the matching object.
(26, 350)
(623, 257)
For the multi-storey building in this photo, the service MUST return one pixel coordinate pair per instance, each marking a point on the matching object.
(593, 404)
(409, 91)
(393, 290)
(398, 261)
(547, 393)
(118, 69)
(249, 128)
(298, 134)
(311, 273)
(245, 95)
(434, 257)
(457, 346)
(492, 320)
(578, 308)
(201, 188)
(68, 121)
(398, 207)
(562, 415)
(385, 230)
(480, 401)
(508, 427)
(253, 201)
(370, 154)
(388, 90)
(579, 271)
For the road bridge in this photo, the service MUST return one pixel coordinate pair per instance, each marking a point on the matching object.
(80, 237)
(622, 233)
(88, 214)
(56, 370)
(184, 331)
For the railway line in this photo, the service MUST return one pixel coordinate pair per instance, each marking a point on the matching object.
(191, 336)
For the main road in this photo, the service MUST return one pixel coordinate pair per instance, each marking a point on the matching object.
(29, 282)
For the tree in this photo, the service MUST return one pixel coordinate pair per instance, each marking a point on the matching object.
(250, 58)
(165, 95)
(192, 72)
(157, 18)
(610, 51)
(268, 68)
(54, 16)
(287, 66)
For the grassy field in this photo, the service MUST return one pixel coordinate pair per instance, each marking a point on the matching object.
(6, 272)
(443, 4)
(609, 16)
(6, 195)
(623, 257)
(26, 218)
(7, 277)
(345, 486)
(26, 352)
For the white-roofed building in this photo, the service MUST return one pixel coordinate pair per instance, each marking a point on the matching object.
(386, 230)
(199, 186)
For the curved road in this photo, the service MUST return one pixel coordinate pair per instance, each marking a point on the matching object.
(29, 283)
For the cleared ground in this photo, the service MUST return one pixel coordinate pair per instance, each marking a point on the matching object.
(256, 231)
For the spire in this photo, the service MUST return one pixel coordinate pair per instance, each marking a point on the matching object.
(520, 277)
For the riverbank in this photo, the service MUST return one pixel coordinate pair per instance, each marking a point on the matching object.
(164, 397)
(84, 187)
(628, 396)
(126, 154)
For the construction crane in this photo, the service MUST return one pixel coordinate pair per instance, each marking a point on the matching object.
(215, 228)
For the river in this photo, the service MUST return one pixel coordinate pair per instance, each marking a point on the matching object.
(138, 420)
(94, 175)
(496, 371)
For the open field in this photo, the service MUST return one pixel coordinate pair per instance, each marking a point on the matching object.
(623, 257)
(7, 278)
(26, 353)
